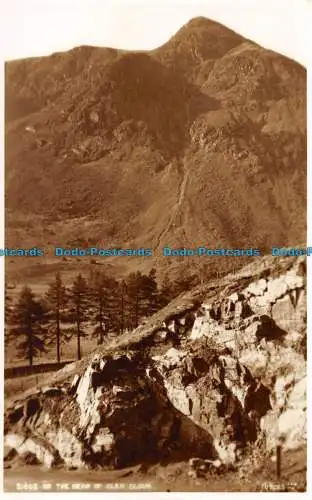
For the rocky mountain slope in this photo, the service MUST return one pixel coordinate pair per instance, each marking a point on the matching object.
(215, 378)
(201, 140)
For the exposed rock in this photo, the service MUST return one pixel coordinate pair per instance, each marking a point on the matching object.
(94, 117)
(199, 466)
(104, 441)
(297, 399)
(171, 359)
(30, 128)
(292, 428)
(290, 310)
(74, 384)
(70, 449)
(257, 288)
(238, 376)
(227, 454)
(44, 453)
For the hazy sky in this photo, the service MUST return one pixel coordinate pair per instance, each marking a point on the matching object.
(39, 27)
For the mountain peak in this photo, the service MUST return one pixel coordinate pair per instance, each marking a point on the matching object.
(202, 22)
(208, 38)
(205, 117)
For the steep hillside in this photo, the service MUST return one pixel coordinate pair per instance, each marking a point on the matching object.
(211, 384)
(202, 140)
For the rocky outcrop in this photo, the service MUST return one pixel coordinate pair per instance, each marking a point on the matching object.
(287, 421)
(235, 375)
(114, 414)
(217, 393)
(261, 326)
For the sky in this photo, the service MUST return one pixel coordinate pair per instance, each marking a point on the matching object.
(41, 27)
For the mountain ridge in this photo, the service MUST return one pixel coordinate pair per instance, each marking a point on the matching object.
(175, 146)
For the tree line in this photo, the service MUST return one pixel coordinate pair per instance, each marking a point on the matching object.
(107, 304)
(100, 300)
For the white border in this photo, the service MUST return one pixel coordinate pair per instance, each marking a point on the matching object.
(173, 496)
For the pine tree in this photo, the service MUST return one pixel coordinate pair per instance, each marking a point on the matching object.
(28, 317)
(113, 306)
(149, 293)
(204, 274)
(166, 293)
(56, 300)
(103, 295)
(79, 300)
(121, 314)
(181, 284)
(134, 298)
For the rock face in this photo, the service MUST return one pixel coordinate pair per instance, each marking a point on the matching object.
(218, 394)
(114, 414)
(234, 375)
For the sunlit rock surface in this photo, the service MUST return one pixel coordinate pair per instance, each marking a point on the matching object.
(233, 375)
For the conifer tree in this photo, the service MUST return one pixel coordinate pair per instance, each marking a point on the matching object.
(166, 292)
(134, 298)
(103, 295)
(79, 300)
(56, 298)
(122, 292)
(149, 293)
(181, 284)
(113, 305)
(28, 316)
